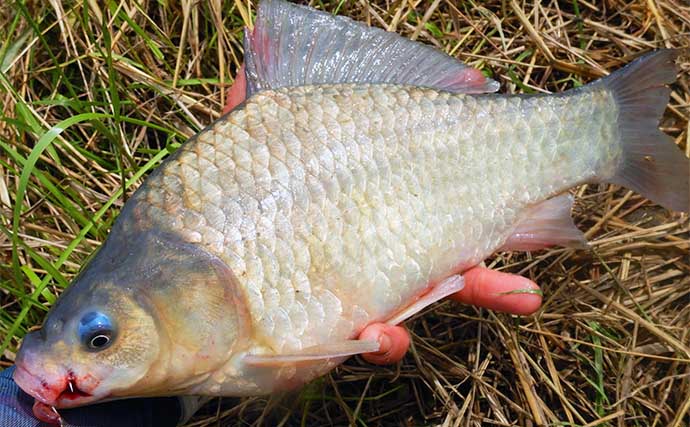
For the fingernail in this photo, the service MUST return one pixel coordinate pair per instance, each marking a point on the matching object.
(385, 344)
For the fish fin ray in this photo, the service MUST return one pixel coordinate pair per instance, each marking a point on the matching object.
(443, 289)
(294, 45)
(546, 224)
(315, 353)
(652, 164)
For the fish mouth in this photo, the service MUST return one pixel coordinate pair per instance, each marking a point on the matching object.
(65, 393)
(72, 392)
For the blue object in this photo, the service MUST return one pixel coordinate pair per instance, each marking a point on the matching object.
(96, 330)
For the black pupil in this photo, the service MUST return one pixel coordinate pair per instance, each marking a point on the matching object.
(99, 341)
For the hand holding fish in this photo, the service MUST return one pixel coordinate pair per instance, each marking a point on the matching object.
(483, 287)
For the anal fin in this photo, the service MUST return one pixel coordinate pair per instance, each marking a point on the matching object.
(318, 352)
(546, 224)
(443, 289)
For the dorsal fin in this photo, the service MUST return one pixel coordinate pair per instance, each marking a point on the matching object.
(295, 45)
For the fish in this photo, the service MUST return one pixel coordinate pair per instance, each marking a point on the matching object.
(362, 175)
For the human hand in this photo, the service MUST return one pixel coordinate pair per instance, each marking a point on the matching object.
(483, 288)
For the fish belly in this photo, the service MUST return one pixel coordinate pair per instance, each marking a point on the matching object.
(335, 206)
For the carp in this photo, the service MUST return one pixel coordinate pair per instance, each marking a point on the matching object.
(362, 175)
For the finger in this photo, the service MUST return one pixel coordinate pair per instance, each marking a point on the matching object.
(394, 341)
(46, 413)
(237, 92)
(508, 293)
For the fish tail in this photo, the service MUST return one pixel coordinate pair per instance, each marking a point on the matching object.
(651, 163)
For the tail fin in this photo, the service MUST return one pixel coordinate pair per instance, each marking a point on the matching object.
(652, 164)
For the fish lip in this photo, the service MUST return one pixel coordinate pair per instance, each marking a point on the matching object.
(72, 402)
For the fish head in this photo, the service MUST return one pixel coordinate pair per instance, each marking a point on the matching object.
(149, 316)
(91, 344)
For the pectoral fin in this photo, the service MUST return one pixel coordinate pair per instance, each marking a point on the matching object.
(546, 224)
(443, 289)
(317, 352)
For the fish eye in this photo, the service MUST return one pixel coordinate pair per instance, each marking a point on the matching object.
(96, 331)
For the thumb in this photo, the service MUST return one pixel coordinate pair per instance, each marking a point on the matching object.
(394, 342)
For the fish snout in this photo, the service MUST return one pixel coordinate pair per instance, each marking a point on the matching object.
(42, 384)
(50, 382)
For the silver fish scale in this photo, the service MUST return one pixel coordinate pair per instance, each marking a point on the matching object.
(335, 205)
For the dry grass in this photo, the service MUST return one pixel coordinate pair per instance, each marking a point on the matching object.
(610, 347)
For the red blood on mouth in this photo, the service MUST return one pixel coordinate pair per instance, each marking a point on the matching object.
(71, 390)
(46, 413)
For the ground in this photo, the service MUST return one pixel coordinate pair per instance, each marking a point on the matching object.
(93, 95)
